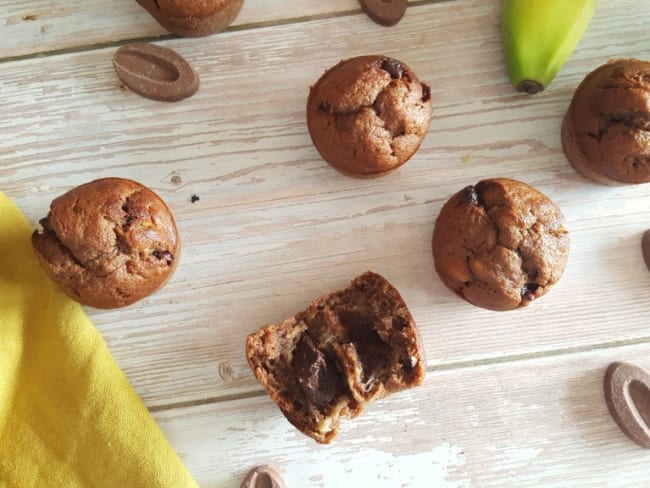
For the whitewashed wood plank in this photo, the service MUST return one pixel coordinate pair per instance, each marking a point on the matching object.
(275, 226)
(531, 423)
(35, 26)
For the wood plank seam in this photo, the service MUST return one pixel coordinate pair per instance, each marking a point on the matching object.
(235, 28)
(456, 365)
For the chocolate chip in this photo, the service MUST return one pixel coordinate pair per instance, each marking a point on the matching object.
(324, 107)
(316, 375)
(384, 12)
(155, 72)
(194, 198)
(161, 254)
(45, 223)
(645, 248)
(130, 214)
(528, 290)
(627, 393)
(426, 93)
(393, 67)
(468, 196)
(263, 477)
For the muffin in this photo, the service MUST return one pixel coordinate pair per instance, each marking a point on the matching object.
(500, 244)
(343, 351)
(368, 115)
(108, 243)
(193, 18)
(605, 133)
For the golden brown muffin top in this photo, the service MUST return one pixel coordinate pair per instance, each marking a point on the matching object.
(500, 244)
(108, 243)
(609, 117)
(368, 115)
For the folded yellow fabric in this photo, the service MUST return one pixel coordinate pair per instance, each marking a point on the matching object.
(68, 416)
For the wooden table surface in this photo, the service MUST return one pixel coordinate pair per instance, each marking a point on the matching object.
(510, 398)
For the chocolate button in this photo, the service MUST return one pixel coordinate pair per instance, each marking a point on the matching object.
(155, 72)
(263, 477)
(384, 12)
(627, 393)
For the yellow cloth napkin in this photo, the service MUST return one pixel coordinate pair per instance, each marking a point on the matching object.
(68, 416)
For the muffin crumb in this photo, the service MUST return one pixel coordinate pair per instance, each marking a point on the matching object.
(345, 350)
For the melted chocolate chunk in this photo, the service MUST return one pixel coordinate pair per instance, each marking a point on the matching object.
(373, 352)
(316, 374)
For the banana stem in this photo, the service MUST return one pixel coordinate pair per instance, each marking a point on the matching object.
(530, 86)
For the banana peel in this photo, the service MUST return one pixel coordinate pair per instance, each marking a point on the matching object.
(538, 37)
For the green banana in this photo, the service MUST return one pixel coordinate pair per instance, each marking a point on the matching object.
(538, 36)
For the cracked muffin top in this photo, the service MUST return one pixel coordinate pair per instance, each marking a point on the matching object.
(368, 115)
(606, 130)
(108, 243)
(500, 244)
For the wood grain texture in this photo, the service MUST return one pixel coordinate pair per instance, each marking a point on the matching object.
(510, 399)
(36, 26)
(276, 227)
(534, 423)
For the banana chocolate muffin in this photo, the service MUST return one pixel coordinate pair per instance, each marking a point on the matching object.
(500, 244)
(606, 130)
(108, 243)
(193, 18)
(343, 351)
(368, 115)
